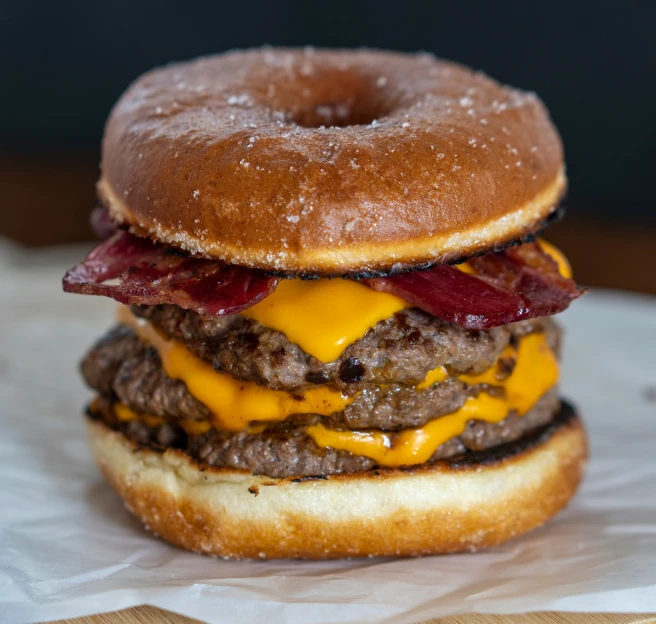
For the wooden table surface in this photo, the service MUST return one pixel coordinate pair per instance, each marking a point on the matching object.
(150, 615)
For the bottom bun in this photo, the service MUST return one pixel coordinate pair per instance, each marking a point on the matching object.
(469, 502)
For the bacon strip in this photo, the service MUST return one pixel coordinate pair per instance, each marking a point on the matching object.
(146, 273)
(517, 283)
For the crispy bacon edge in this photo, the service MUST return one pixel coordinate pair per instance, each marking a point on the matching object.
(133, 270)
(515, 284)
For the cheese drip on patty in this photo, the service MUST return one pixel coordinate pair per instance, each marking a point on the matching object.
(324, 316)
(536, 370)
(233, 404)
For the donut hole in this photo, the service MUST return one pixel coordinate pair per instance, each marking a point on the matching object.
(338, 114)
(338, 100)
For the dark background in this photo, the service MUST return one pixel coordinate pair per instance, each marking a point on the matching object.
(62, 66)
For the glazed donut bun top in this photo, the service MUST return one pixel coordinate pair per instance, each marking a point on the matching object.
(329, 162)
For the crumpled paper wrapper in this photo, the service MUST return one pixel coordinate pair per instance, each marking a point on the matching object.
(69, 548)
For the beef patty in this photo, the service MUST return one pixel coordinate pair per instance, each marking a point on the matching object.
(285, 450)
(121, 365)
(400, 349)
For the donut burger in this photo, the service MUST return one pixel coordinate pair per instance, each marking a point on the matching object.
(335, 336)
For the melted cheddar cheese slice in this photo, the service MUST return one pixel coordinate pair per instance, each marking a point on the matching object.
(191, 427)
(324, 316)
(535, 372)
(232, 403)
(564, 267)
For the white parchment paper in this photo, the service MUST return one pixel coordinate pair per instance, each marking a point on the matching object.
(68, 547)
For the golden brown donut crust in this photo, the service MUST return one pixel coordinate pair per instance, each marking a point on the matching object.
(418, 160)
(432, 509)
